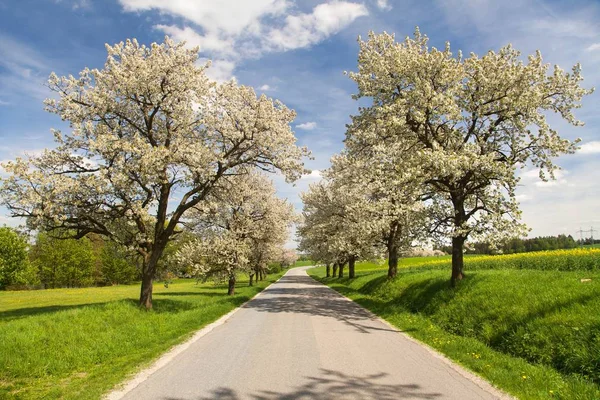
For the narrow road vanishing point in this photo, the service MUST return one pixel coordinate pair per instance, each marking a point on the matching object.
(300, 339)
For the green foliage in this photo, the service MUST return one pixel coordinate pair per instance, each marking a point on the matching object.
(64, 262)
(118, 265)
(79, 343)
(15, 269)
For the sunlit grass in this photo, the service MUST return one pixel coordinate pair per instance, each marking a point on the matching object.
(532, 333)
(79, 343)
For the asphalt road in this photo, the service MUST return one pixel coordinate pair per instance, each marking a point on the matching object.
(301, 340)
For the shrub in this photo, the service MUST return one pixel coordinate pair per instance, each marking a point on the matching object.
(63, 262)
(15, 269)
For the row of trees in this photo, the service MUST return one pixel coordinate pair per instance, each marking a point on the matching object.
(434, 156)
(61, 262)
(518, 245)
(51, 262)
(155, 148)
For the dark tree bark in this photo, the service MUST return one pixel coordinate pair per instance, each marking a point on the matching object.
(251, 277)
(457, 259)
(392, 248)
(460, 217)
(335, 268)
(148, 272)
(231, 288)
(328, 270)
(341, 270)
(351, 262)
(392, 259)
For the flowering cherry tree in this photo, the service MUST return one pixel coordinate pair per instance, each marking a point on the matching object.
(385, 207)
(470, 123)
(151, 137)
(243, 228)
(333, 229)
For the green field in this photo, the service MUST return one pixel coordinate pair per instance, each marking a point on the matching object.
(534, 333)
(79, 343)
(304, 263)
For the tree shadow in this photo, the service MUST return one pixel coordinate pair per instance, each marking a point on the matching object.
(303, 295)
(17, 313)
(331, 384)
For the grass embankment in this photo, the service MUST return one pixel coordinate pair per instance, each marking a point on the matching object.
(79, 343)
(533, 333)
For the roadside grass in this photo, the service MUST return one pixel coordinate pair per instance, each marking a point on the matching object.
(534, 334)
(80, 343)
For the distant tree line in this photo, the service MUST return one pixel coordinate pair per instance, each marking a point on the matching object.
(517, 245)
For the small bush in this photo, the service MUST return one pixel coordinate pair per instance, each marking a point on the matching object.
(15, 269)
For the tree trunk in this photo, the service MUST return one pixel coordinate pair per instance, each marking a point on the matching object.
(251, 276)
(457, 259)
(231, 289)
(146, 293)
(351, 262)
(335, 267)
(148, 272)
(392, 259)
(341, 271)
(328, 270)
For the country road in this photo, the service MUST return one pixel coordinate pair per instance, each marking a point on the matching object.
(301, 340)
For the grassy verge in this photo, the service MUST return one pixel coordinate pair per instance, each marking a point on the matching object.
(79, 343)
(534, 334)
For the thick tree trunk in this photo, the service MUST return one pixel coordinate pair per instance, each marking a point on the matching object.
(392, 259)
(146, 293)
(251, 276)
(148, 272)
(351, 262)
(457, 259)
(231, 288)
(341, 271)
(328, 270)
(335, 268)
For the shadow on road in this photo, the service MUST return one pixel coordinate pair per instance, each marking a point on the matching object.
(302, 294)
(330, 385)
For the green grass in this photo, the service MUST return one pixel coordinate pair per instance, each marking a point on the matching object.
(79, 343)
(303, 263)
(535, 334)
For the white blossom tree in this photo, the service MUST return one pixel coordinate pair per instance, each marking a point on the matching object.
(385, 207)
(150, 138)
(333, 229)
(471, 122)
(243, 228)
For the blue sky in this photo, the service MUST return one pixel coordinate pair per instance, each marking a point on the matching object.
(296, 51)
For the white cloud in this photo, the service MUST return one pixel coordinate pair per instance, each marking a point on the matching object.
(265, 88)
(231, 30)
(307, 126)
(25, 70)
(314, 175)
(304, 30)
(220, 70)
(211, 42)
(384, 5)
(593, 47)
(592, 147)
(229, 17)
